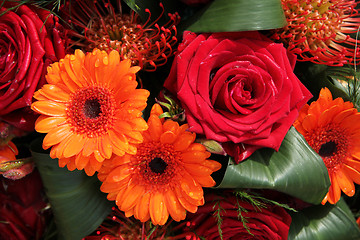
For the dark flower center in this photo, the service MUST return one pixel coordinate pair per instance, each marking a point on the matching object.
(327, 149)
(157, 165)
(92, 108)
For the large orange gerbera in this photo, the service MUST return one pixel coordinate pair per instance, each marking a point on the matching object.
(90, 109)
(165, 177)
(332, 129)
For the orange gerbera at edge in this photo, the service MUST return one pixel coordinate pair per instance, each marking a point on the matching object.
(90, 109)
(332, 129)
(164, 178)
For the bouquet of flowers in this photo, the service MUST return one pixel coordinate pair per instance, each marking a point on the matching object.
(181, 119)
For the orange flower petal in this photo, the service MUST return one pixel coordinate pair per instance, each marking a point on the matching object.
(194, 156)
(184, 202)
(55, 93)
(132, 194)
(155, 127)
(157, 207)
(49, 108)
(346, 185)
(205, 181)
(334, 190)
(184, 141)
(142, 208)
(56, 135)
(45, 124)
(309, 122)
(352, 173)
(81, 161)
(119, 173)
(176, 210)
(74, 145)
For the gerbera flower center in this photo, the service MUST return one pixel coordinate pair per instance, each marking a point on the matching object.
(92, 108)
(327, 149)
(157, 164)
(331, 143)
(91, 111)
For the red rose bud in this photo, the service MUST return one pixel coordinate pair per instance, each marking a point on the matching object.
(237, 87)
(13, 168)
(30, 41)
(220, 217)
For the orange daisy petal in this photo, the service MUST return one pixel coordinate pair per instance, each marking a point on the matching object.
(81, 161)
(157, 208)
(49, 108)
(352, 173)
(142, 208)
(56, 135)
(176, 210)
(184, 202)
(346, 185)
(184, 141)
(132, 194)
(334, 190)
(205, 181)
(155, 127)
(74, 145)
(45, 124)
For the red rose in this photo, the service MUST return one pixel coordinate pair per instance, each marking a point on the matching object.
(30, 41)
(22, 208)
(269, 223)
(237, 87)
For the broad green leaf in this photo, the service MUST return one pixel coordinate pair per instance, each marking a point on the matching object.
(329, 222)
(238, 15)
(295, 169)
(76, 201)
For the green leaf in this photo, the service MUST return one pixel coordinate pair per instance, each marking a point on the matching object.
(296, 170)
(329, 222)
(76, 201)
(238, 15)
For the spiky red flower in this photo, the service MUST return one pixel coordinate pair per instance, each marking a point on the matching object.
(98, 24)
(319, 30)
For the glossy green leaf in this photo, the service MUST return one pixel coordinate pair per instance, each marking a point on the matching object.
(238, 15)
(329, 222)
(76, 201)
(295, 170)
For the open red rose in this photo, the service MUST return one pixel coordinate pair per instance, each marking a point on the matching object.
(30, 40)
(237, 87)
(269, 223)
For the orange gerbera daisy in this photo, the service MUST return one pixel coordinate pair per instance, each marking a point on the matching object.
(165, 177)
(332, 129)
(90, 109)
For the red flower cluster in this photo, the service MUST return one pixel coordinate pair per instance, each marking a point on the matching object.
(22, 208)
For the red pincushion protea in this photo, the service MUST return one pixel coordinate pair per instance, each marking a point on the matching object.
(319, 30)
(99, 25)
